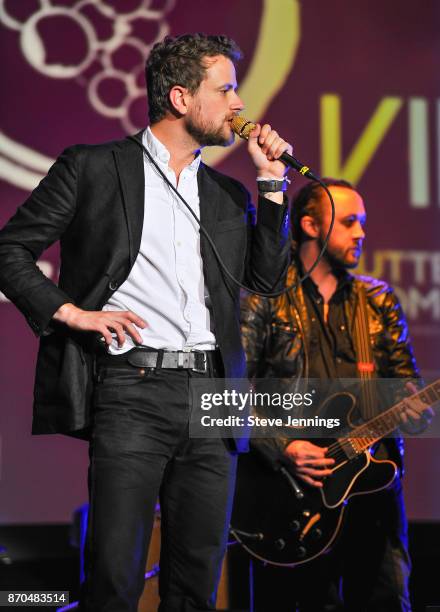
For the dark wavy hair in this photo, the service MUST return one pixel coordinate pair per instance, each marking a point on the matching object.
(307, 202)
(179, 61)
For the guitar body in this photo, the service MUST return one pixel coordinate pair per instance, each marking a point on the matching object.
(280, 526)
(272, 524)
(361, 475)
(353, 474)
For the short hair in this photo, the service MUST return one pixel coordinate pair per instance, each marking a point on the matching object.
(306, 202)
(179, 61)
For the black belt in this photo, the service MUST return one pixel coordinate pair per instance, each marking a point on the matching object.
(197, 361)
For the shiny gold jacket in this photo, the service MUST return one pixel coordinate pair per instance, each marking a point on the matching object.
(275, 332)
(275, 335)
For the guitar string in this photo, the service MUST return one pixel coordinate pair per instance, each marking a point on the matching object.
(336, 449)
(368, 395)
(367, 392)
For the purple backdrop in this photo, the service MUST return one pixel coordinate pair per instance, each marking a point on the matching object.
(354, 86)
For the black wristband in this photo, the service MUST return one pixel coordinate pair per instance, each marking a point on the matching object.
(272, 186)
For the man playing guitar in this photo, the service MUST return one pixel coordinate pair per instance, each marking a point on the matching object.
(306, 333)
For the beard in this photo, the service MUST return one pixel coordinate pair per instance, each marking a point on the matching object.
(207, 135)
(339, 259)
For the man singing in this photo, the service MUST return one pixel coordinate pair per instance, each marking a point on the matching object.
(137, 273)
(309, 333)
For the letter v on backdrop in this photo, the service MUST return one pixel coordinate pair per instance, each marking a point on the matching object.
(373, 134)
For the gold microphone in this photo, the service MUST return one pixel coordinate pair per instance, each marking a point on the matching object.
(243, 127)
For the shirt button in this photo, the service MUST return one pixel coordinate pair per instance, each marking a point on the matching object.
(113, 285)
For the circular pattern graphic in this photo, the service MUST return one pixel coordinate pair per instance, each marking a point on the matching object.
(125, 16)
(114, 39)
(33, 45)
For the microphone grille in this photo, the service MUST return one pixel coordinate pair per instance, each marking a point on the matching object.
(241, 126)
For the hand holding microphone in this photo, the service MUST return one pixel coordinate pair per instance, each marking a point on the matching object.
(265, 147)
(271, 146)
(265, 143)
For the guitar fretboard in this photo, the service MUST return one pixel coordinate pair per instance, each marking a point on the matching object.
(365, 435)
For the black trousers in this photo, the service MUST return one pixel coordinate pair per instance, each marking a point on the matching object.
(141, 450)
(367, 571)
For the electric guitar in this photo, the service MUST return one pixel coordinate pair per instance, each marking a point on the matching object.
(281, 522)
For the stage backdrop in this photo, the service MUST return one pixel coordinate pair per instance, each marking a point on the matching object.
(353, 85)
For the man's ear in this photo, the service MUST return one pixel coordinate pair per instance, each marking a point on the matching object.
(310, 226)
(179, 98)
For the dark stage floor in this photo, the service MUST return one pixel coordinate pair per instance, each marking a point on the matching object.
(41, 557)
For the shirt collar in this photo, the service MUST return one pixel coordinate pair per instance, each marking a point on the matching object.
(161, 154)
(345, 279)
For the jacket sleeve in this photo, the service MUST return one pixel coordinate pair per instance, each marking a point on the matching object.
(267, 255)
(256, 317)
(401, 359)
(37, 224)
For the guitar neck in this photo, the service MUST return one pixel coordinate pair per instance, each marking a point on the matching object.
(383, 424)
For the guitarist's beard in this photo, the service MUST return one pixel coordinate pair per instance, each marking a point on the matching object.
(340, 259)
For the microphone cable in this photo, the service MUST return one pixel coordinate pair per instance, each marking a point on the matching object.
(214, 248)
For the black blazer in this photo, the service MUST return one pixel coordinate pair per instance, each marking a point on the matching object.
(92, 200)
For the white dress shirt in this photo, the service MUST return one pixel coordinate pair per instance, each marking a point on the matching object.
(166, 285)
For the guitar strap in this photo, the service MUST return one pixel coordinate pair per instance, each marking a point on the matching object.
(364, 357)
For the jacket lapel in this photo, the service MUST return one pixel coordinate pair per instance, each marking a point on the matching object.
(209, 196)
(298, 311)
(130, 167)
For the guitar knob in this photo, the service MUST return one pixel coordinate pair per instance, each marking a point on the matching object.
(280, 544)
(317, 534)
(301, 552)
(295, 525)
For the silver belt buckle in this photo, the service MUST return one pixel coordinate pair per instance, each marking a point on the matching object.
(205, 361)
(183, 358)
